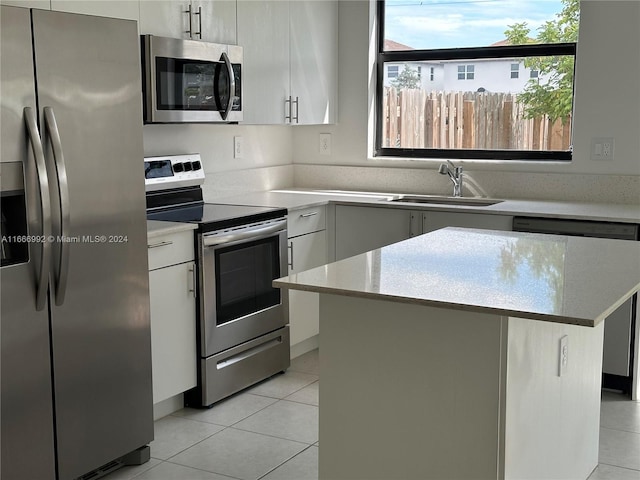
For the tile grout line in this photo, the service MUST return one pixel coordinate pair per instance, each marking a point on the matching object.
(287, 460)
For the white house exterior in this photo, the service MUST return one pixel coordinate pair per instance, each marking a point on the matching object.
(506, 75)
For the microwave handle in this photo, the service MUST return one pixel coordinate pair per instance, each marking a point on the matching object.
(232, 85)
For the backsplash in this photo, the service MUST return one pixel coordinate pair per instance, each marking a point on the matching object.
(623, 189)
(224, 184)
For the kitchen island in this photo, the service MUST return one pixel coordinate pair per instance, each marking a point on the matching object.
(466, 354)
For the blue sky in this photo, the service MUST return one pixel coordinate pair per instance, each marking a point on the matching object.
(462, 23)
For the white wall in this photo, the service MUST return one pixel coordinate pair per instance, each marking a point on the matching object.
(265, 162)
(607, 104)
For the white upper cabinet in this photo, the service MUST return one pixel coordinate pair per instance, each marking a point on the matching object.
(290, 61)
(263, 33)
(165, 18)
(314, 60)
(41, 4)
(127, 9)
(207, 20)
(217, 22)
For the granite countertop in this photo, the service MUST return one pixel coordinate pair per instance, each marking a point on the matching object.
(542, 277)
(293, 199)
(157, 228)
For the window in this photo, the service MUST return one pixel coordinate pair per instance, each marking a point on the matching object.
(465, 72)
(419, 71)
(470, 109)
(392, 71)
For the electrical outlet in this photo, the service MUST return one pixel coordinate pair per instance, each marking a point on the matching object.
(325, 144)
(602, 148)
(238, 147)
(563, 356)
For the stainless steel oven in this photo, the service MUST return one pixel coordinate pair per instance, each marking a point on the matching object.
(243, 318)
(237, 268)
(243, 336)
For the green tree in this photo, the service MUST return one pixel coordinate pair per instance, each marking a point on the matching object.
(407, 78)
(552, 93)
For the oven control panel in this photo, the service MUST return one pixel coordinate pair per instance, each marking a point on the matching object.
(173, 171)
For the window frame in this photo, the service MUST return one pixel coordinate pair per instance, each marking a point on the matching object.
(468, 53)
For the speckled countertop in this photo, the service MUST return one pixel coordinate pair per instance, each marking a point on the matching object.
(157, 228)
(551, 278)
(299, 198)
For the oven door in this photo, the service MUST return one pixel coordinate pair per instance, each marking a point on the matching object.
(189, 81)
(237, 300)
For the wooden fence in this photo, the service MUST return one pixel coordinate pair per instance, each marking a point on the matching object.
(457, 120)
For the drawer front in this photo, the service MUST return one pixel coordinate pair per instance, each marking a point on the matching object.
(170, 249)
(244, 365)
(307, 220)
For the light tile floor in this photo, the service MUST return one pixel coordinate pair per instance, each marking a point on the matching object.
(270, 432)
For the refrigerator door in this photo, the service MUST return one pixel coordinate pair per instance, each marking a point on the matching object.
(26, 414)
(89, 87)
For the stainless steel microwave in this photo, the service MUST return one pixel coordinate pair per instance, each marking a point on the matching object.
(187, 81)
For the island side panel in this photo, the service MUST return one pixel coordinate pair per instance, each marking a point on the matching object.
(409, 391)
(552, 422)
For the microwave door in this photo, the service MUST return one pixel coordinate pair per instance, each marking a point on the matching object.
(225, 86)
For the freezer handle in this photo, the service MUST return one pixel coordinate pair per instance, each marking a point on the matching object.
(62, 270)
(42, 270)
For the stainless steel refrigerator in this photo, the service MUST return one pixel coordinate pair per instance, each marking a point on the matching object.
(74, 312)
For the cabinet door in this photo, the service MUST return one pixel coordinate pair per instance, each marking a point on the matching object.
(173, 330)
(314, 60)
(217, 22)
(41, 4)
(360, 229)
(166, 18)
(436, 220)
(127, 9)
(306, 251)
(263, 32)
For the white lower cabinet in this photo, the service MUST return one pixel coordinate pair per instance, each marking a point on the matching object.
(173, 315)
(436, 220)
(360, 229)
(307, 249)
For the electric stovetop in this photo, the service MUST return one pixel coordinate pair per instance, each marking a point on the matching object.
(213, 216)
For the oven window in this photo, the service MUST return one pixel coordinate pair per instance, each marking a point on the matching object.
(244, 274)
(185, 84)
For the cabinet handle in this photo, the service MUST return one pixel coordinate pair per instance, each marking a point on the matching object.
(160, 244)
(290, 246)
(287, 117)
(190, 31)
(191, 281)
(310, 214)
(199, 32)
(297, 107)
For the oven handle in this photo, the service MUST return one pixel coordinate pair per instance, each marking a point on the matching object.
(249, 233)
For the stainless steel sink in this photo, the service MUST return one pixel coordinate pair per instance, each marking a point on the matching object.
(429, 199)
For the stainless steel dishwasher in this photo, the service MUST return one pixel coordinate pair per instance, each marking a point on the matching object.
(619, 328)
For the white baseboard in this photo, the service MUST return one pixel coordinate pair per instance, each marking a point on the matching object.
(304, 346)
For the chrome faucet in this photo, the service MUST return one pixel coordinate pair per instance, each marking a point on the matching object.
(455, 174)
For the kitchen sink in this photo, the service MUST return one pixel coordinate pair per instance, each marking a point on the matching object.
(429, 199)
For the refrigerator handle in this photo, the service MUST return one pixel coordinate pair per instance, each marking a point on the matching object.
(62, 270)
(42, 271)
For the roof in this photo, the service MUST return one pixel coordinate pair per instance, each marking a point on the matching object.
(390, 45)
(506, 41)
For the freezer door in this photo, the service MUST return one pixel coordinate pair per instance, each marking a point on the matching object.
(88, 71)
(26, 414)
